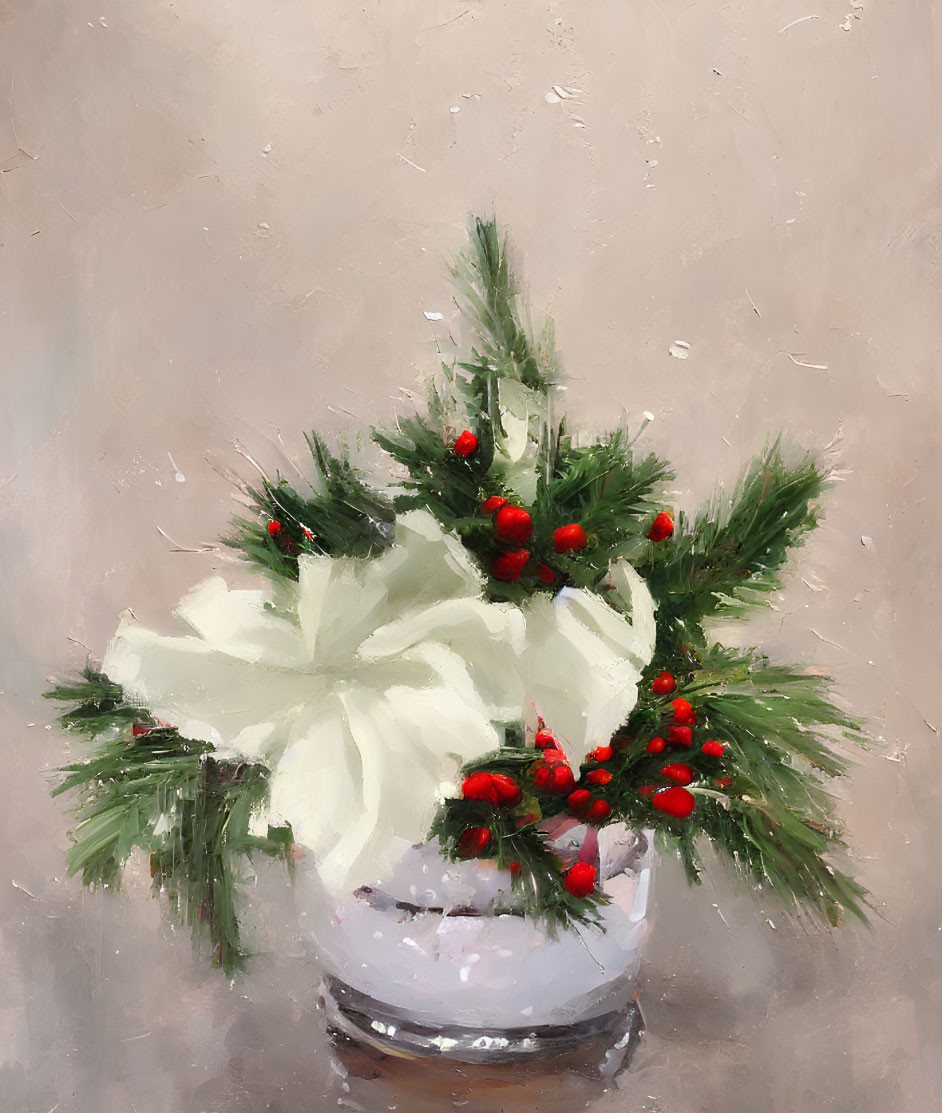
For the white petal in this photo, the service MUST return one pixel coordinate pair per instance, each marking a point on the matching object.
(515, 402)
(239, 624)
(317, 785)
(409, 741)
(487, 637)
(582, 666)
(633, 591)
(342, 601)
(209, 695)
(521, 408)
(437, 567)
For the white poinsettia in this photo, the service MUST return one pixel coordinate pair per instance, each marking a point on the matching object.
(364, 686)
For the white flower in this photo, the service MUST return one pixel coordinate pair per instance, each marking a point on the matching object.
(584, 659)
(365, 686)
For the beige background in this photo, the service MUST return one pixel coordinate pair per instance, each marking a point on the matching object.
(225, 219)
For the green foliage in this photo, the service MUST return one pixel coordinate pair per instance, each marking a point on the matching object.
(342, 516)
(439, 480)
(773, 821)
(516, 837)
(603, 488)
(729, 556)
(167, 796)
(489, 294)
(97, 703)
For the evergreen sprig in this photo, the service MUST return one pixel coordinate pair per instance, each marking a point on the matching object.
(517, 840)
(489, 301)
(342, 515)
(608, 492)
(147, 787)
(728, 556)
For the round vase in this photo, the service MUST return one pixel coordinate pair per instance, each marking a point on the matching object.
(426, 961)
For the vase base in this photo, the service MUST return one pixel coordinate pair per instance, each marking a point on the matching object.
(602, 1044)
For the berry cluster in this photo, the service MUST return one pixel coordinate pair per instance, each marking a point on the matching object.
(674, 800)
(513, 526)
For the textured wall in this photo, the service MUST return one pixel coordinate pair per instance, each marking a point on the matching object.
(224, 219)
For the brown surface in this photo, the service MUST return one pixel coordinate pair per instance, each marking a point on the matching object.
(165, 286)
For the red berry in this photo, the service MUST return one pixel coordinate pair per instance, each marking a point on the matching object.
(515, 869)
(662, 527)
(678, 772)
(466, 443)
(554, 779)
(511, 524)
(493, 788)
(712, 748)
(480, 786)
(578, 798)
(663, 685)
(656, 745)
(508, 566)
(555, 756)
(724, 782)
(473, 841)
(546, 574)
(676, 802)
(599, 811)
(598, 777)
(683, 712)
(545, 740)
(563, 781)
(569, 538)
(680, 736)
(602, 753)
(273, 528)
(580, 879)
(495, 502)
(647, 790)
(507, 789)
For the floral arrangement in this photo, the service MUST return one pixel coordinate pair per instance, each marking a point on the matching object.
(514, 633)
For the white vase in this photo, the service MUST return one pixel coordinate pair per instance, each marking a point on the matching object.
(420, 963)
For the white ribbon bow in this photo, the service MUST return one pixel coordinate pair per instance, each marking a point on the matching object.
(368, 683)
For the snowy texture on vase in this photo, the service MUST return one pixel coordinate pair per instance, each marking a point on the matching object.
(424, 961)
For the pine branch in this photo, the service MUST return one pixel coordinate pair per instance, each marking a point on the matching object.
(605, 490)
(343, 516)
(728, 557)
(153, 790)
(441, 481)
(490, 302)
(98, 703)
(763, 804)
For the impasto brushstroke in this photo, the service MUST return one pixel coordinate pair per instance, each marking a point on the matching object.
(466, 700)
